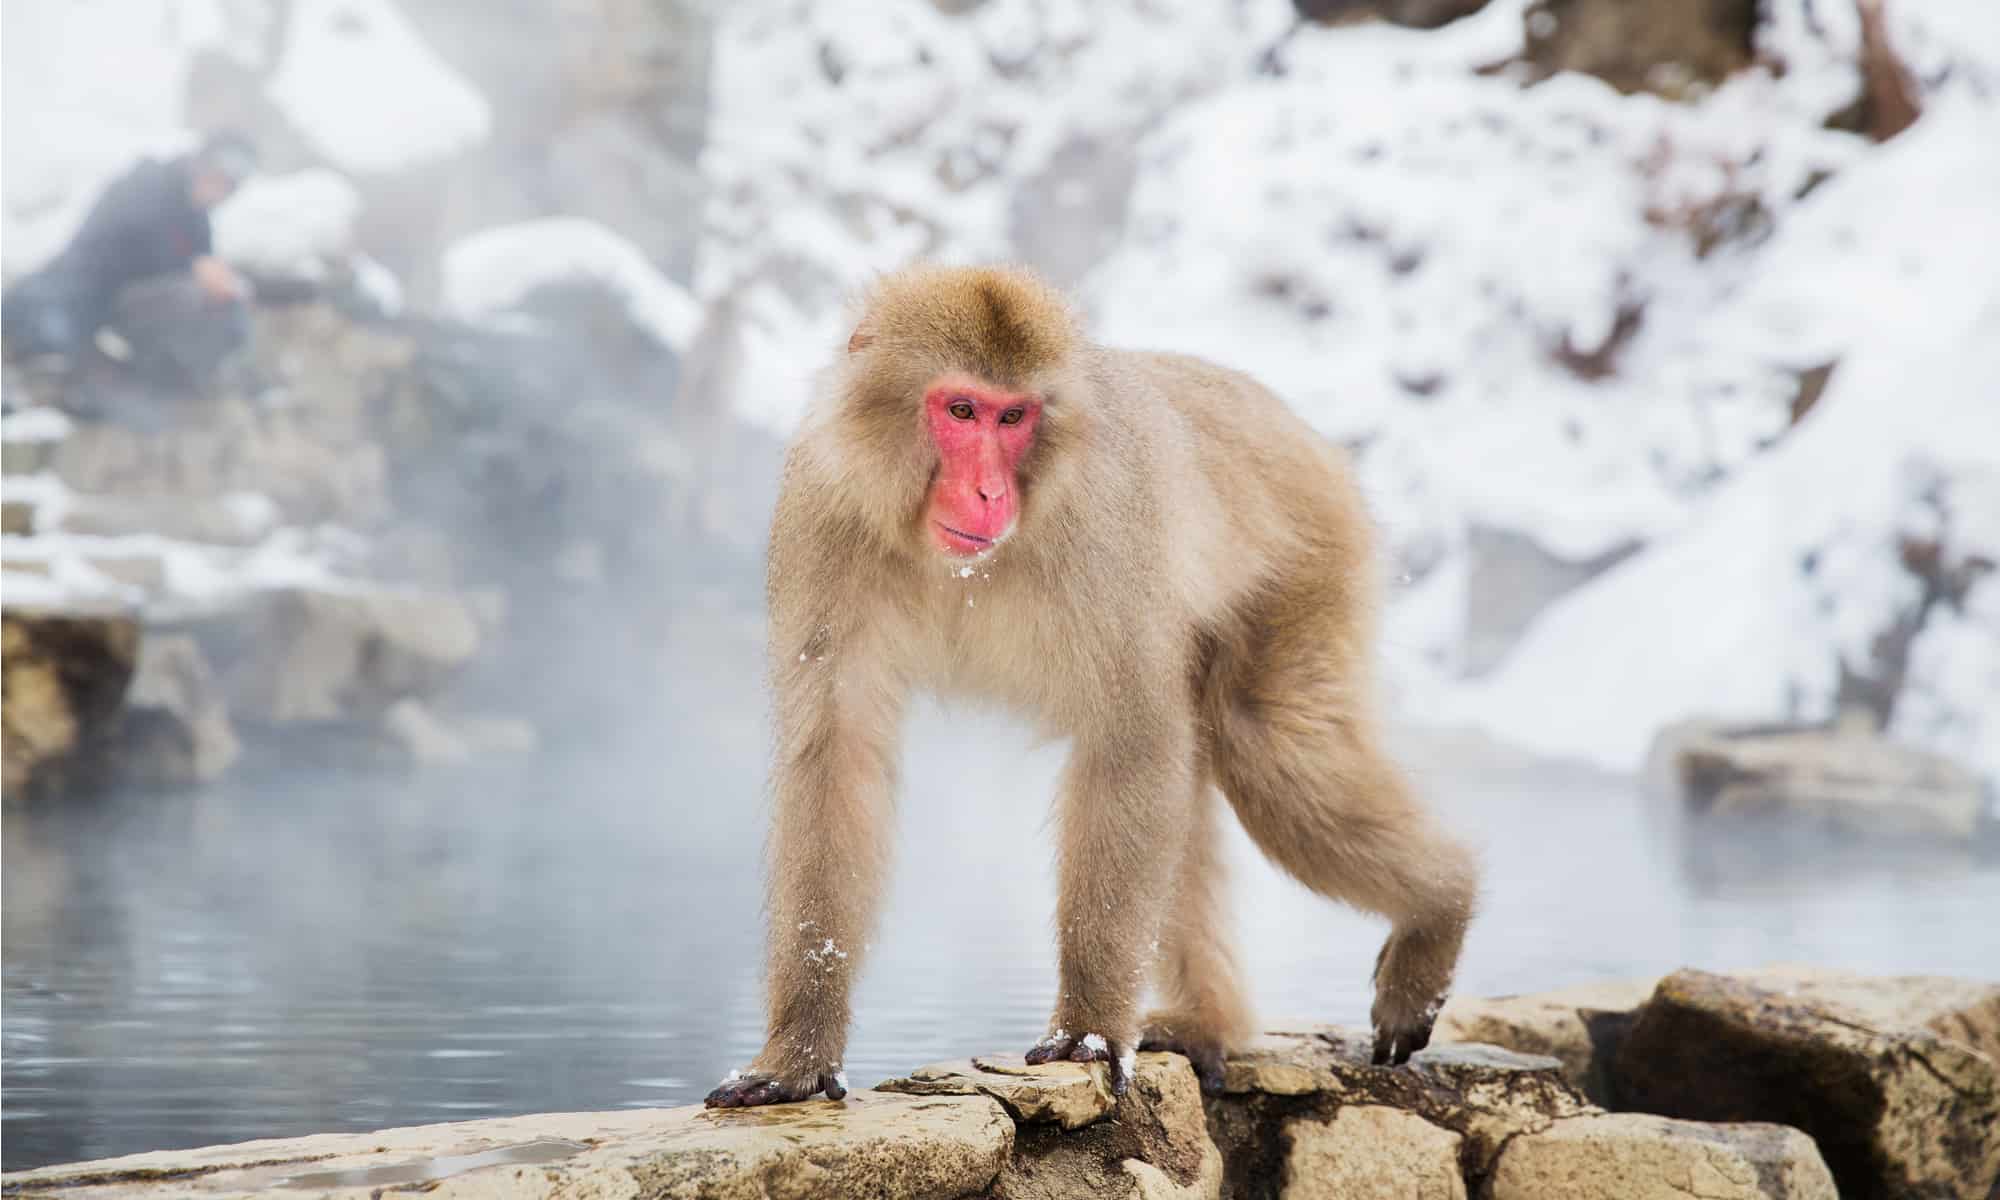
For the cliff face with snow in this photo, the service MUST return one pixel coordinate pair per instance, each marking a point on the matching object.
(1666, 405)
(1552, 318)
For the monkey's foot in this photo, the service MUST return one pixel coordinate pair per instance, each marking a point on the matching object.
(1203, 1051)
(1059, 1046)
(747, 1090)
(1396, 1038)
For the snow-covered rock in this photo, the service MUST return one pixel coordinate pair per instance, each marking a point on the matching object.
(358, 81)
(495, 270)
(378, 285)
(293, 226)
(1789, 573)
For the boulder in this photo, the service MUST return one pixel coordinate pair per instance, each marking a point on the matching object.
(1635, 1156)
(1299, 1081)
(232, 448)
(1153, 1145)
(1897, 1110)
(1371, 1152)
(1075, 1139)
(63, 676)
(1571, 1025)
(1676, 50)
(301, 424)
(1582, 1026)
(1823, 793)
(1965, 1010)
(175, 730)
(326, 653)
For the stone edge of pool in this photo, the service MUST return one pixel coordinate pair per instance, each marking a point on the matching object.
(1782, 1082)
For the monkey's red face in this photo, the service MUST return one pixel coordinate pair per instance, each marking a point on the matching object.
(981, 433)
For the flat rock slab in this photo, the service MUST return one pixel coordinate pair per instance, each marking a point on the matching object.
(1568, 1024)
(1335, 1060)
(1636, 1156)
(872, 1144)
(1071, 1095)
(1896, 1110)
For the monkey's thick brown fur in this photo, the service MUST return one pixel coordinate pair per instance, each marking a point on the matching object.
(1188, 595)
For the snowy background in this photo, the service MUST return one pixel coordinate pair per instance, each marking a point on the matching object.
(1566, 329)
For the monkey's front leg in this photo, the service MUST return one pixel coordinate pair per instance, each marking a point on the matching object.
(1122, 820)
(831, 832)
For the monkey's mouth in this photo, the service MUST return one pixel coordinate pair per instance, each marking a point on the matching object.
(961, 542)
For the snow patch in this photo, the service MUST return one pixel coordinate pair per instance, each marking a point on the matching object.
(292, 226)
(36, 425)
(490, 272)
(1795, 566)
(356, 79)
(379, 284)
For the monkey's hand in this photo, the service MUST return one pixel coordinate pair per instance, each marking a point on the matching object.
(1060, 1046)
(749, 1089)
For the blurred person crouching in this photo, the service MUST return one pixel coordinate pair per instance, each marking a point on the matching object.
(142, 266)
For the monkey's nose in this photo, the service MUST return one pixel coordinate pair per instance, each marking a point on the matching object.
(990, 492)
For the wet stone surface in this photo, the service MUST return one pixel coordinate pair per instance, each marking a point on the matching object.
(872, 1144)
(1801, 1081)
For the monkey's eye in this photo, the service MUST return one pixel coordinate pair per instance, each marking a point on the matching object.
(1011, 417)
(962, 410)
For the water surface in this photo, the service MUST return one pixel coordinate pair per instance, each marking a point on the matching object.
(353, 952)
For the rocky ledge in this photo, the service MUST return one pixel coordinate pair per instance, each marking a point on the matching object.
(1779, 1084)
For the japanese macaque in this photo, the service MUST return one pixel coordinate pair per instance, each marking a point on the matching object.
(1143, 553)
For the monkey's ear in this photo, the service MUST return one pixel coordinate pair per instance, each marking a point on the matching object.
(861, 339)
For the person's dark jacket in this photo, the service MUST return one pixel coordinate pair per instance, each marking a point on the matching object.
(144, 224)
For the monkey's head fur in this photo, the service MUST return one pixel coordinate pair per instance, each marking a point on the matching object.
(950, 408)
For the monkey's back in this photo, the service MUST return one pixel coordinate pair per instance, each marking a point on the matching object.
(1283, 490)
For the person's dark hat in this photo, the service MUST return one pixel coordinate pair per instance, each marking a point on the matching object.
(230, 153)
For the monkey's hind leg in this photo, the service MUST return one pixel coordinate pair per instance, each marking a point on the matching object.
(1205, 1015)
(1299, 761)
